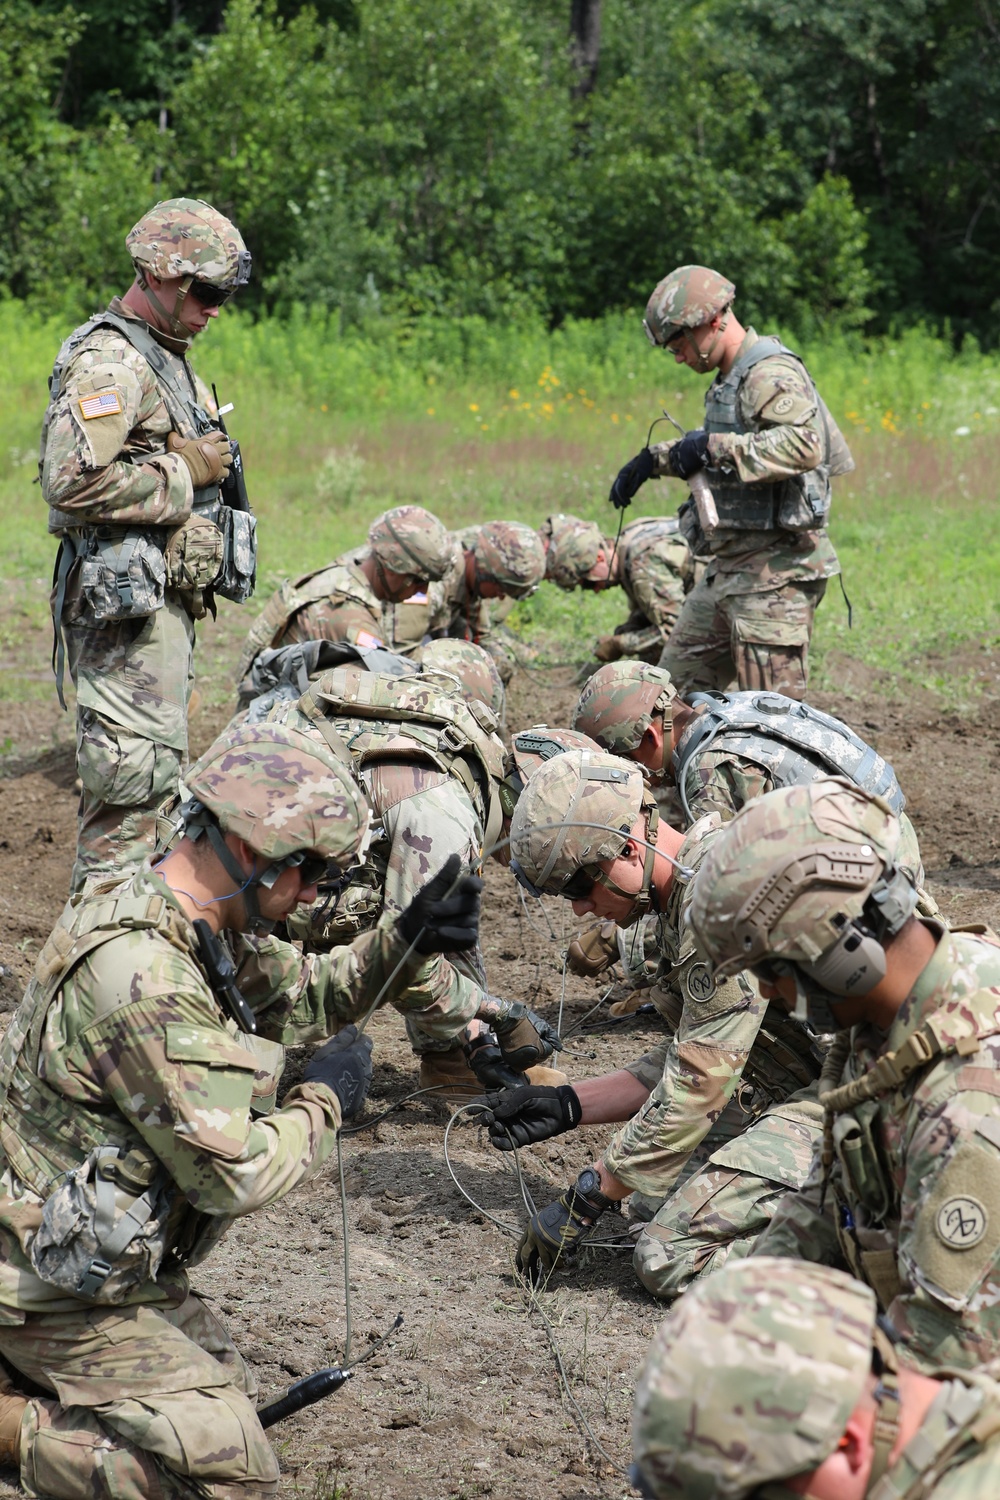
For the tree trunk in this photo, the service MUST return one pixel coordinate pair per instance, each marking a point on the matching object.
(585, 43)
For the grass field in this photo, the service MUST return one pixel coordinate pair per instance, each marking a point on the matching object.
(479, 421)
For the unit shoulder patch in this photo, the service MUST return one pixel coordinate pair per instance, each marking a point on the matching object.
(961, 1222)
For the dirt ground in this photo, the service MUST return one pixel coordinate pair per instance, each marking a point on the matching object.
(466, 1398)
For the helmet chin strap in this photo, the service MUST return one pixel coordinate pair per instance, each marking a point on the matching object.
(180, 337)
(645, 898)
(704, 360)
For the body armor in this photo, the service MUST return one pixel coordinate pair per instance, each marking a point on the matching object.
(794, 742)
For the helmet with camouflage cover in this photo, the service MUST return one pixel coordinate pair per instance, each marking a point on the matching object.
(509, 554)
(577, 811)
(573, 550)
(474, 668)
(687, 298)
(775, 1355)
(409, 540)
(805, 881)
(619, 702)
(531, 748)
(187, 237)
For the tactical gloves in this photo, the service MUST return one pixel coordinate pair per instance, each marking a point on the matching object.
(609, 648)
(525, 1038)
(593, 950)
(524, 1116)
(441, 919)
(554, 1234)
(208, 458)
(631, 478)
(688, 454)
(344, 1064)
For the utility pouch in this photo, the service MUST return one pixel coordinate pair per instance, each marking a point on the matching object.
(805, 501)
(103, 1229)
(123, 575)
(194, 554)
(690, 528)
(857, 1151)
(237, 575)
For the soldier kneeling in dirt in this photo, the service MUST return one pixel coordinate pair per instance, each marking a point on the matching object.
(136, 1126)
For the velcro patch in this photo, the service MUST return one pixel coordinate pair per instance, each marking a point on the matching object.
(961, 1222)
(100, 404)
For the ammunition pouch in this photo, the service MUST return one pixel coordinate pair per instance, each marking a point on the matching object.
(860, 1161)
(236, 577)
(123, 575)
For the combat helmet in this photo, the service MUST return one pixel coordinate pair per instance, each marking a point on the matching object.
(688, 297)
(530, 749)
(577, 811)
(189, 238)
(619, 702)
(775, 1355)
(412, 541)
(509, 554)
(805, 881)
(473, 669)
(284, 792)
(574, 548)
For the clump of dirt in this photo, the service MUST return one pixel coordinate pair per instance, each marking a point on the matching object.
(467, 1399)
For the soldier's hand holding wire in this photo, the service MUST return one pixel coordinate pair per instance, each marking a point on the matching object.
(525, 1037)
(554, 1234)
(631, 477)
(344, 1064)
(443, 916)
(688, 454)
(524, 1116)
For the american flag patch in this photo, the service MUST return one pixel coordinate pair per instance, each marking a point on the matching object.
(101, 404)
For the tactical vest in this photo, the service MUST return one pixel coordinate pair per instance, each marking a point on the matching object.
(285, 672)
(799, 503)
(295, 594)
(110, 1212)
(963, 1419)
(793, 742)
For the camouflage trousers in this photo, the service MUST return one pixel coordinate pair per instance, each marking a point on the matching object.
(133, 682)
(150, 1403)
(760, 639)
(726, 1198)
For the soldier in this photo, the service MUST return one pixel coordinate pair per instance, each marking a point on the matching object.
(776, 1381)
(768, 450)
(132, 457)
(498, 562)
(344, 601)
(716, 1126)
(134, 1130)
(651, 562)
(806, 887)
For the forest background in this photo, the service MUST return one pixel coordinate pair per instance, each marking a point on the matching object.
(456, 212)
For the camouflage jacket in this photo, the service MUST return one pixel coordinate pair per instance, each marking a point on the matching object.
(913, 1201)
(955, 1452)
(783, 436)
(103, 452)
(119, 1042)
(335, 603)
(725, 1039)
(656, 571)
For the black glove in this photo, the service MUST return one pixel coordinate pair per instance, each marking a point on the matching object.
(525, 1038)
(520, 1117)
(689, 454)
(442, 920)
(344, 1064)
(555, 1233)
(487, 1062)
(631, 478)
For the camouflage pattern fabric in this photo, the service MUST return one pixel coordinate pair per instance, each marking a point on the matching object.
(188, 237)
(410, 540)
(760, 640)
(471, 668)
(509, 554)
(619, 703)
(656, 570)
(572, 546)
(687, 298)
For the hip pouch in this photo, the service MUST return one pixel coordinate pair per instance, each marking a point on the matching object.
(103, 1229)
(122, 576)
(237, 575)
(805, 501)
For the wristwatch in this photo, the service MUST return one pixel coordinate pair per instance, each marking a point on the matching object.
(587, 1191)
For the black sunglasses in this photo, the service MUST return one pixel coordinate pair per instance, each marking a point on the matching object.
(209, 295)
(579, 886)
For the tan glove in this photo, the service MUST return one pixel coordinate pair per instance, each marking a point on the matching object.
(207, 457)
(593, 949)
(608, 648)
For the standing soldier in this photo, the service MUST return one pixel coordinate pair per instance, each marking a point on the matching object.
(807, 888)
(499, 562)
(651, 561)
(132, 459)
(134, 1130)
(772, 1381)
(768, 450)
(407, 547)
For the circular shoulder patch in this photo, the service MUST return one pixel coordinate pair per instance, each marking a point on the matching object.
(961, 1222)
(783, 404)
(699, 983)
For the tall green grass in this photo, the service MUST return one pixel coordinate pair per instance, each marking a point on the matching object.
(480, 420)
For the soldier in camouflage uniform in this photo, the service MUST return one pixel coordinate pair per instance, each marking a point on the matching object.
(652, 562)
(490, 566)
(806, 886)
(407, 547)
(768, 450)
(775, 1381)
(721, 1117)
(131, 462)
(137, 1122)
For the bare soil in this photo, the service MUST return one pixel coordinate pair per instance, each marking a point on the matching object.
(466, 1399)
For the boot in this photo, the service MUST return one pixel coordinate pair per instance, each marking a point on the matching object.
(11, 1411)
(453, 1080)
